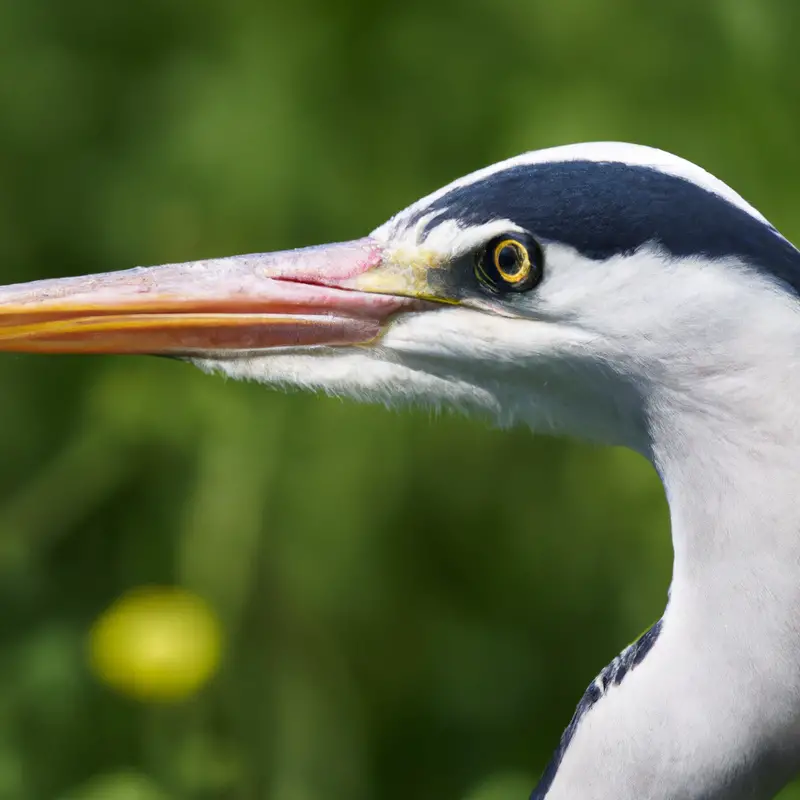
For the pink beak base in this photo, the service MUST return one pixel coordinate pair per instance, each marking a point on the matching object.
(222, 306)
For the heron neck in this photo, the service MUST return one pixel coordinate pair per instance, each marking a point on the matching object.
(712, 709)
(732, 625)
(731, 479)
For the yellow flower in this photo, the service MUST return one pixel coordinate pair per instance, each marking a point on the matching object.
(157, 644)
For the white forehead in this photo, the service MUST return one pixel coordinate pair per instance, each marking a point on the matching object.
(613, 152)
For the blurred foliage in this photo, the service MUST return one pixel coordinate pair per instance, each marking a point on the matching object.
(397, 626)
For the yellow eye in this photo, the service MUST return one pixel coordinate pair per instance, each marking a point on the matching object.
(510, 263)
(511, 260)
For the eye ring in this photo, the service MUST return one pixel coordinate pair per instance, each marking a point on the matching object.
(511, 260)
(510, 263)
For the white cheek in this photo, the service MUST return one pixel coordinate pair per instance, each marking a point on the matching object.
(450, 332)
(650, 298)
(686, 333)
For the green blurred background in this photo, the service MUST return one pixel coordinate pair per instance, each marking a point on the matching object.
(412, 604)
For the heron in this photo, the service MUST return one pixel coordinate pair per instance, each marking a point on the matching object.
(606, 290)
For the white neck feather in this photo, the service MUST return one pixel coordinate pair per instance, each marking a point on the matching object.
(713, 710)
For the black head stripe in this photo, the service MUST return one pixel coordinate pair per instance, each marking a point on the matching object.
(604, 209)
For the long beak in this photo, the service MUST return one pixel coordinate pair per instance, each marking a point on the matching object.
(224, 306)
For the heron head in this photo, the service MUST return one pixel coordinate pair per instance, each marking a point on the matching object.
(572, 289)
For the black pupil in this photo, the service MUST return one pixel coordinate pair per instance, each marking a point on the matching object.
(509, 260)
